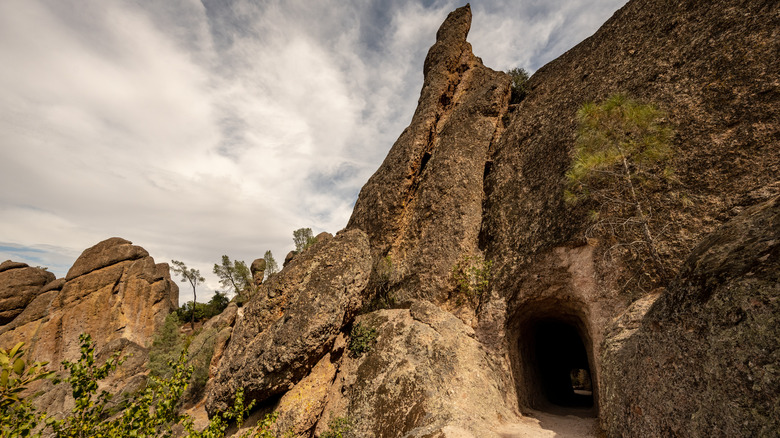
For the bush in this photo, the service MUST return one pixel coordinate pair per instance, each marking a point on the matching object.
(519, 84)
(339, 427)
(361, 340)
(152, 412)
(472, 276)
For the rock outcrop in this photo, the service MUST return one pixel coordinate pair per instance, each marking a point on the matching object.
(703, 360)
(19, 285)
(473, 178)
(423, 207)
(258, 271)
(426, 373)
(114, 292)
(294, 320)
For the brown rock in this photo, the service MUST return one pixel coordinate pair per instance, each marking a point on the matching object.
(292, 323)
(703, 359)
(19, 285)
(105, 253)
(423, 207)
(115, 292)
(258, 271)
(426, 375)
(300, 408)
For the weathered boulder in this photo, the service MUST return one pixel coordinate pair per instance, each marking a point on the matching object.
(115, 292)
(423, 206)
(258, 271)
(703, 361)
(19, 285)
(292, 322)
(426, 375)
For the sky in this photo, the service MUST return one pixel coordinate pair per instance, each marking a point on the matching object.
(201, 128)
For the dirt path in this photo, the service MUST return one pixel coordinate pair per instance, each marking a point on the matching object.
(543, 424)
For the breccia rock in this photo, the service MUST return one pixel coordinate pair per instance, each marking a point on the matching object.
(703, 359)
(292, 322)
(19, 285)
(423, 206)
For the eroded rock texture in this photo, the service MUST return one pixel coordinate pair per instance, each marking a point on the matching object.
(426, 374)
(703, 360)
(115, 292)
(423, 207)
(293, 322)
(19, 285)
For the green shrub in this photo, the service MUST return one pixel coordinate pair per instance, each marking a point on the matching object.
(619, 158)
(519, 84)
(472, 276)
(152, 412)
(339, 427)
(361, 340)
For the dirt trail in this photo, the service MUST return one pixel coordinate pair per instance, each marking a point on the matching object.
(543, 424)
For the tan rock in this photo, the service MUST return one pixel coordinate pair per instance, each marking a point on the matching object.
(423, 206)
(19, 285)
(114, 292)
(291, 324)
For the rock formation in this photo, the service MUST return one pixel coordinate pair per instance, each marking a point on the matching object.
(472, 178)
(294, 320)
(258, 271)
(703, 359)
(423, 207)
(19, 284)
(114, 292)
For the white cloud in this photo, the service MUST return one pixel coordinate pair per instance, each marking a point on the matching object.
(197, 129)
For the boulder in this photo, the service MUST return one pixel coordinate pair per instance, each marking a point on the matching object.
(426, 375)
(703, 359)
(292, 323)
(19, 285)
(258, 271)
(423, 206)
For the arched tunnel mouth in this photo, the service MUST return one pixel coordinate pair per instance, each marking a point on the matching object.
(560, 357)
(553, 359)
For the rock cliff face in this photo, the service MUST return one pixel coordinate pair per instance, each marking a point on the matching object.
(702, 361)
(114, 291)
(471, 176)
(423, 207)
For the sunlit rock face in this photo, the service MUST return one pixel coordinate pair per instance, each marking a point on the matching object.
(423, 207)
(114, 292)
(19, 285)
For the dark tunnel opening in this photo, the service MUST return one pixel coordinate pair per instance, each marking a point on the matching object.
(552, 358)
(560, 353)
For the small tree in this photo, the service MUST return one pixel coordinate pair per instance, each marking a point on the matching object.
(302, 238)
(188, 275)
(519, 81)
(270, 264)
(620, 144)
(234, 275)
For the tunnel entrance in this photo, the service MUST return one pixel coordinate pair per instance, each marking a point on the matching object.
(560, 354)
(552, 359)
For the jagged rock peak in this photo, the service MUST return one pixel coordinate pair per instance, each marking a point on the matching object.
(423, 206)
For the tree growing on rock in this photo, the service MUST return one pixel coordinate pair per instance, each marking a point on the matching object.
(191, 276)
(519, 88)
(270, 264)
(234, 275)
(618, 158)
(303, 238)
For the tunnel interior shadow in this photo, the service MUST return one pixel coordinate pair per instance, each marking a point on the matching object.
(552, 359)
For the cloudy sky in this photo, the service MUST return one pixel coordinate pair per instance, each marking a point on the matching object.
(202, 128)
